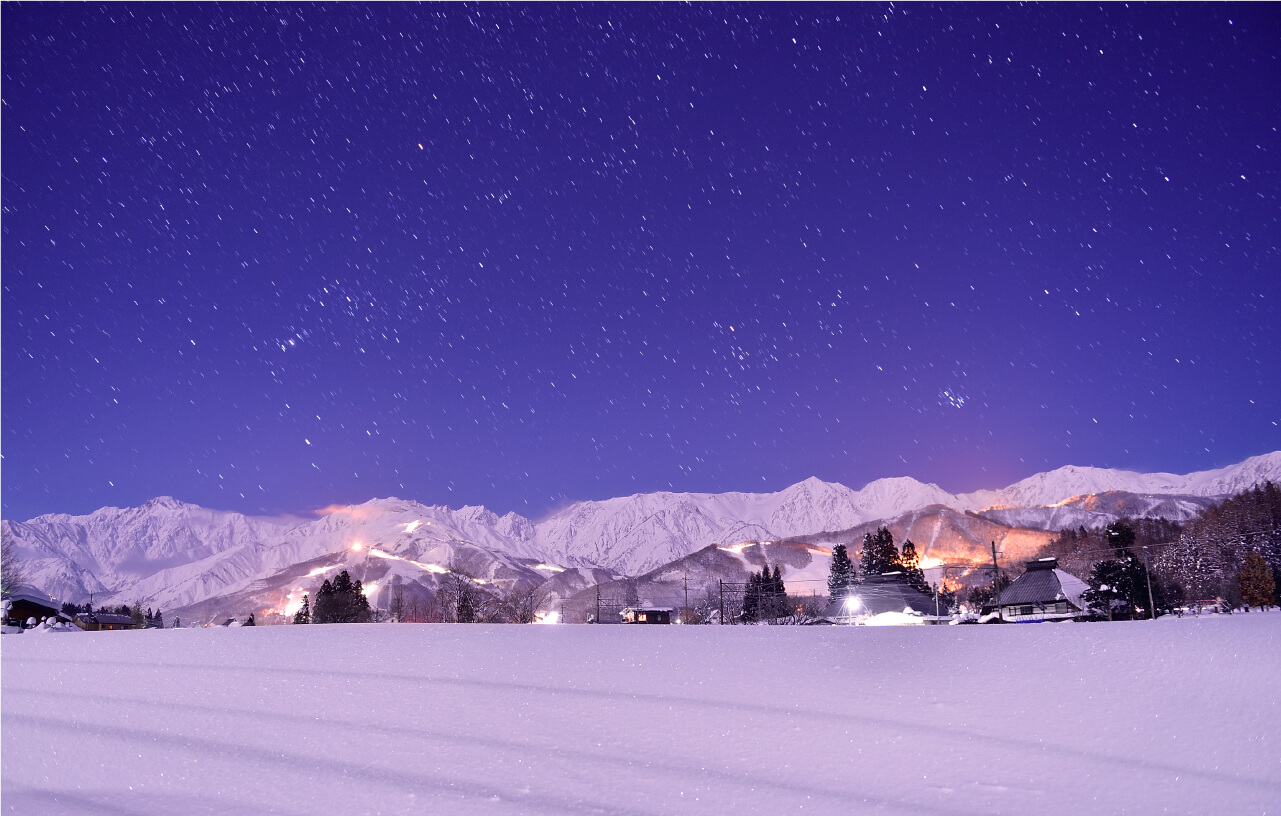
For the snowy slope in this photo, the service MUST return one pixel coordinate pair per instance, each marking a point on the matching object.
(1171, 716)
(174, 556)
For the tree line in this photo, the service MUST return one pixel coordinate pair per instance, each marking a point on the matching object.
(142, 618)
(879, 556)
(1229, 553)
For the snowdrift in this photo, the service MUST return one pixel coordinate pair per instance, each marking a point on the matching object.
(1171, 716)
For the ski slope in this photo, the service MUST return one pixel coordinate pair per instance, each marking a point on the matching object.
(1172, 716)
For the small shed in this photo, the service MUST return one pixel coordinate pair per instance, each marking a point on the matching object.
(647, 614)
(1043, 593)
(102, 621)
(26, 602)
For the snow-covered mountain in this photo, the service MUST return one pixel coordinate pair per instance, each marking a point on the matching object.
(179, 556)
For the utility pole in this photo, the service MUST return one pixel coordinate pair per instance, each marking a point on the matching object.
(1148, 572)
(685, 614)
(721, 583)
(598, 603)
(996, 582)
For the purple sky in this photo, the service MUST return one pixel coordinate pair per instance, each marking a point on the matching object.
(266, 259)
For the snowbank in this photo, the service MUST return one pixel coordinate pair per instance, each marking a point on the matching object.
(1137, 717)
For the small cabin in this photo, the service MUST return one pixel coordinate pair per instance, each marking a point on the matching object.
(102, 621)
(647, 614)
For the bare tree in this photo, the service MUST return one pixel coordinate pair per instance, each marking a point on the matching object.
(11, 571)
(397, 606)
(520, 605)
(464, 601)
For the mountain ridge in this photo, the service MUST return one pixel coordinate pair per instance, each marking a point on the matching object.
(176, 554)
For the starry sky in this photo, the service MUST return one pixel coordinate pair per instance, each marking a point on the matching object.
(268, 258)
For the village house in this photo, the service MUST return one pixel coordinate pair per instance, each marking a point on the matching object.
(1043, 593)
(647, 614)
(100, 621)
(26, 603)
(881, 594)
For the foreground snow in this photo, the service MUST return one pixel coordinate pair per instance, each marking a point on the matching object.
(1176, 716)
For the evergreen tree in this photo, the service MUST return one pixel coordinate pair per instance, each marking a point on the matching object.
(1120, 536)
(323, 610)
(136, 613)
(250, 620)
(1117, 585)
(303, 615)
(879, 553)
(779, 592)
(910, 563)
(752, 599)
(177, 623)
(842, 576)
(1258, 586)
(159, 620)
(340, 602)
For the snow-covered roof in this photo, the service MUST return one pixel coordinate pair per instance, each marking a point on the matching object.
(1044, 583)
(26, 592)
(882, 593)
(105, 618)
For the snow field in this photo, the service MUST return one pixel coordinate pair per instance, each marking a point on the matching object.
(1172, 716)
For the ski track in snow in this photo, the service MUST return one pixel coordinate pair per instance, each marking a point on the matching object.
(1174, 716)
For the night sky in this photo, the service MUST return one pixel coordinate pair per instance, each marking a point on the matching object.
(270, 258)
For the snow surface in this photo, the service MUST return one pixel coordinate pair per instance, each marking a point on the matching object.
(1171, 716)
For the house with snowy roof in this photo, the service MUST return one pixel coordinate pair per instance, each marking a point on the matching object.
(647, 614)
(26, 606)
(885, 598)
(102, 621)
(1042, 593)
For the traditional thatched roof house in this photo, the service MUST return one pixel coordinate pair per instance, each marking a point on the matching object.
(1043, 593)
(889, 594)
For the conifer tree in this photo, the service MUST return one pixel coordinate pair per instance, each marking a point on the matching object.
(752, 598)
(340, 602)
(303, 615)
(911, 565)
(879, 553)
(1258, 587)
(136, 613)
(779, 592)
(1116, 584)
(323, 610)
(842, 576)
(159, 621)
(250, 620)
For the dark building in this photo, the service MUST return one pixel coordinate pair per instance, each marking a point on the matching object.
(647, 614)
(99, 621)
(1043, 593)
(27, 602)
